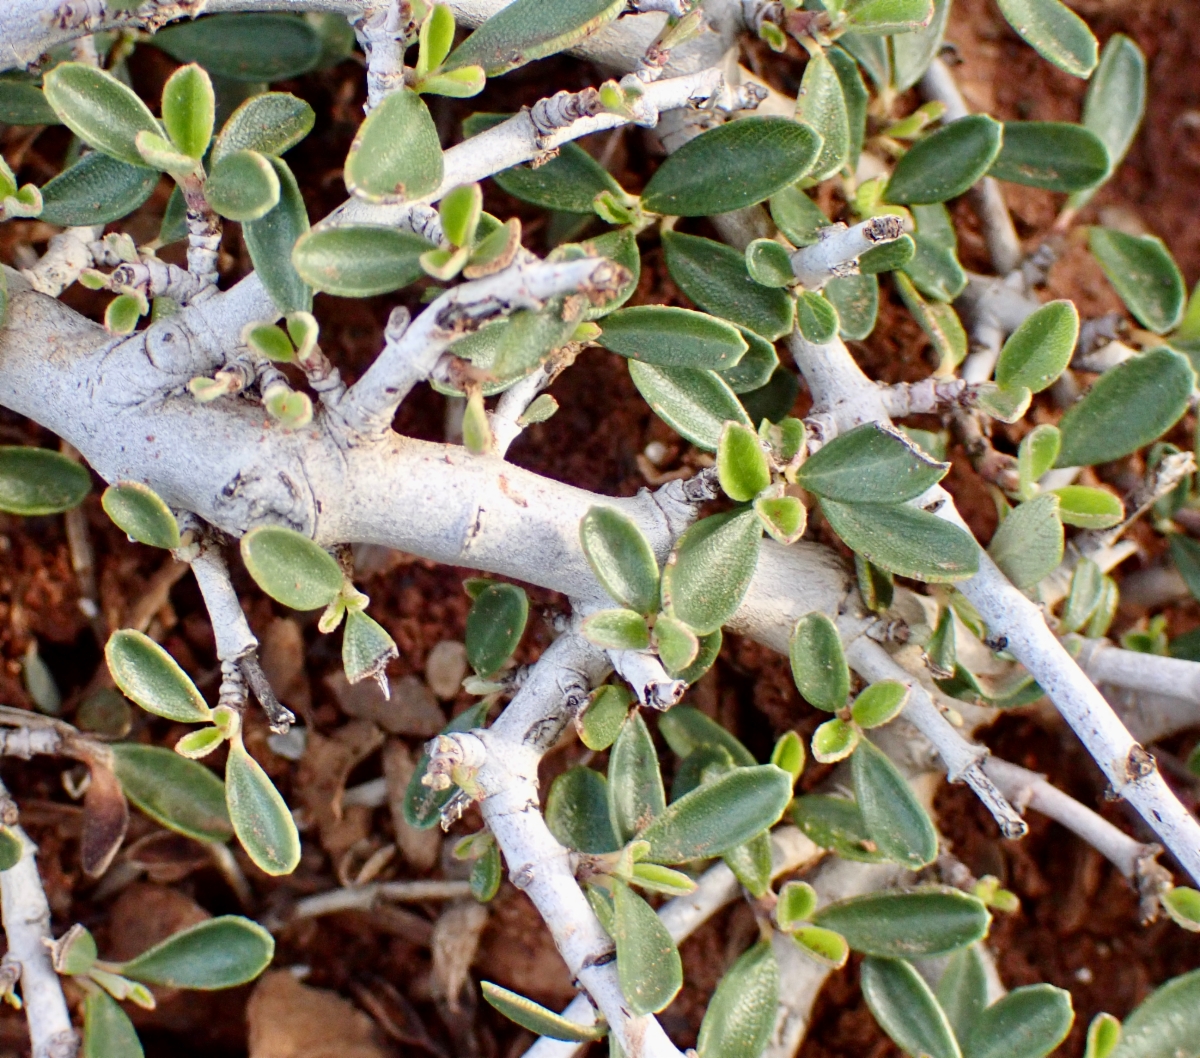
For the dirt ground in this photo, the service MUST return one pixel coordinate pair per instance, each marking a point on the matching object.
(1078, 925)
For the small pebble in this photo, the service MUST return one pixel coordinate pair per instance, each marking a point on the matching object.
(446, 667)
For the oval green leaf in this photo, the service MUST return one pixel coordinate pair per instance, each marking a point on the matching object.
(621, 558)
(821, 105)
(1166, 1024)
(904, 540)
(687, 729)
(107, 1030)
(24, 103)
(648, 963)
(178, 793)
(1054, 155)
(741, 1014)
(672, 337)
(741, 463)
(261, 818)
(577, 811)
(894, 818)
(396, 154)
(818, 664)
(242, 186)
(220, 953)
(270, 123)
(1129, 406)
(962, 991)
(617, 630)
(271, 239)
(536, 1018)
(1089, 508)
(147, 675)
(37, 481)
(99, 109)
(97, 189)
(946, 163)
(245, 47)
(906, 1009)
(366, 647)
(602, 719)
(1027, 1023)
(1055, 32)
(696, 404)
(916, 924)
(359, 260)
(1038, 351)
(836, 823)
(872, 463)
(714, 562)
(1029, 543)
(188, 110)
(495, 626)
(140, 513)
(291, 568)
(1142, 271)
(635, 788)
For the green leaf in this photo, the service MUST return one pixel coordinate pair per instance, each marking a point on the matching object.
(648, 963)
(291, 568)
(219, 953)
(769, 263)
(870, 464)
(888, 256)
(366, 647)
(270, 240)
(242, 186)
(617, 630)
(904, 540)
(789, 755)
(797, 216)
(1087, 586)
(945, 331)
(621, 558)
(459, 211)
(23, 103)
(436, 39)
(602, 719)
(528, 30)
(147, 675)
(702, 765)
(741, 1014)
(423, 804)
(359, 260)
(854, 92)
(672, 337)
(622, 248)
(715, 277)
(1029, 543)
(741, 463)
(245, 47)
(751, 864)
(962, 991)
(889, 16)
(879, 704)
(1115, 104)
(38, 481)
(1055, 32)
(270, 123)
(176, 792)
(719, 815)
(818, 664)
(836, 823)
(873, 54)
(934, 269)
(577, 811)
(121, 315)
(11, 849)
(785, 517)
(261, 818)
(822, 106)
(687, 729)
(916, 924)
(945, 164)
(732, 166)
(906, 1009)
(1104, 1033)
(188, 109)
(826, 946)
(635, 787)
(1166, 1024)
(1038, 351)
(797, 903)
(710, 647)
(396, 155)
(654, 878)
(536, 1018)
(696, 404)
(1129, 406)
(107, 1030)
(894, 818)
(676, 644)
(1089, 508)
(1144, 274)
(1055, 155)
(913, 52)
(756, 366)
(1183, 905)
(835, 740)
(714, 562)
(99, 109)
(140, 513)
(1027, 1023)
(97, 189)
(856, 299)
(495, 626)
(816, 317)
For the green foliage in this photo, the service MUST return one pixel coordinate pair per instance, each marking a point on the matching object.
(97, 189)
(672, 337)
(741, 463)
(741, 1014)
(1055, 155)
(769, 263)
(271, 124)
(140, 513)
(946, 163)
(1027, 1023)
(635, 787)
(694, 403)
(1115, 103)
(218, 953)
(906, 1009)
(291, 568)
(888, 16)
(1143, 272)
(714, 562)
(1166, 1024)
(396, 154)
(536, 1018)
(107, 1030)
(246, 47)
(821, 105)
(818, 664)
(894, 819)
(1129, 406)
(99, 109)
(870, 464)
(173, 791)
(360, 260)
(271, 238)
(621, 558)
(1029, 543)
(24, 103)
(1104, 1033)
(1038, 351)
(1055, 32)
(962, 991)
(836, 823)
(648, 962)
(147, 675)
(577, 811)
(916, 924)
(904, 540)
(495, 626)
(37, 481)
(261, 818)
(816, 317)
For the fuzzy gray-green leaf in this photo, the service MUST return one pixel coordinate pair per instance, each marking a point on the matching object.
(245, 47)
(291, 568)
(906, 1009)
(714, 562)
(1027, 1023)
(1166, 1024)
(577, 811)
(715, 277)
(140, 513)
(856, 299)
(1038, 351)
(915, 924)
(621, 557)
(1055, 32)
(270, 123)
(870, 464)
(1054, 155)
(821, 105)
(38, 481)
(963, 990)
(1143, 272)
(219, 953)
(147, 675)
(495, 626)
(107, 1030)
(732, 166)
(536, 1018)
(904, 540)
(635, 788)
(818, 664)
(261, 818)
(1028, 545)
(694, 403)
(97, 189)
(648, 962)
(102, 111)
(946, 163)
(396, 154)
(672, 337)
(1129, 406)
(686, 729)
(913, 52)
(359, 260)
(271, 239)
(181, 794)
(894, 818)
(741, 1013)
(836, 823)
